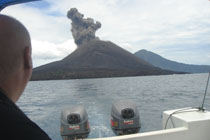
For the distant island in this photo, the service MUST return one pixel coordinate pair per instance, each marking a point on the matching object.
(163, 63)
(93, 57)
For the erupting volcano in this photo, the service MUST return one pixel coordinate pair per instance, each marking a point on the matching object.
(93, 57)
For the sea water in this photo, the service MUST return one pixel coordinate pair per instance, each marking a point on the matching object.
(43, 101)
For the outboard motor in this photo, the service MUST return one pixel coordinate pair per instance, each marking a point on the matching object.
(74, 123)
(125, 118)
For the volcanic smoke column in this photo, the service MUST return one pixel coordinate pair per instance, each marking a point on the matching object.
(83, 30)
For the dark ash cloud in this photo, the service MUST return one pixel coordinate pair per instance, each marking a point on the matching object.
(83, 30)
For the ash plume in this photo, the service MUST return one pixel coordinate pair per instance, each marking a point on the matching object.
(83, 30)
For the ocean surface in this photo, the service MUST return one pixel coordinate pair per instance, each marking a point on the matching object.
(43, 101)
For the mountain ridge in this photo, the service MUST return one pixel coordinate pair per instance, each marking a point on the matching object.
(167, 64)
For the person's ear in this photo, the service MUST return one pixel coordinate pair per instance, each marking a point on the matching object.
(27, 58)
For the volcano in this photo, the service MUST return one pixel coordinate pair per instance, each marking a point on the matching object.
(97, 59)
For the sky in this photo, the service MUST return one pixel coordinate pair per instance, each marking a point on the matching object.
(178, 30)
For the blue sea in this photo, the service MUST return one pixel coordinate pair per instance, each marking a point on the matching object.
(43, 101)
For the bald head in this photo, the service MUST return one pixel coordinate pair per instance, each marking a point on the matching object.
(15, 51)
(13, 39)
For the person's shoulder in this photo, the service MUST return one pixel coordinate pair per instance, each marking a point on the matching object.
(5, 108)
(8, 110)
(15, 121)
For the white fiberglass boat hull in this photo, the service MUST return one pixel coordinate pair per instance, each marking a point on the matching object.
(190, 124)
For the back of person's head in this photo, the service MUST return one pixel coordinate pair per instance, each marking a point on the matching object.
(15, 56)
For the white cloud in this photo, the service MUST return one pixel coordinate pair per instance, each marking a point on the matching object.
(45, 52)
(132, 24)
(41, 25)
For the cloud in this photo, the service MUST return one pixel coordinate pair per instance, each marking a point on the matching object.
(40, 24)
(156, 25)
(51, 36)
(45, 52)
